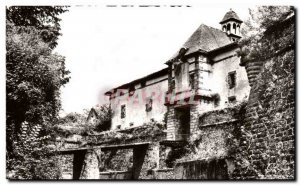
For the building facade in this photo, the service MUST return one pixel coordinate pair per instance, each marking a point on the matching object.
(202, 76)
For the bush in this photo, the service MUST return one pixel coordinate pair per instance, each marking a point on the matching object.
(32, 157)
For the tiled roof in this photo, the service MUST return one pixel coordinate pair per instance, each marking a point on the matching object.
(231, 15)
(205, 38)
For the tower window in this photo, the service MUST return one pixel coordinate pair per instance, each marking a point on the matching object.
(228, 28)
(232, 79)
(224, 28)
(234, 28)
(123, 111)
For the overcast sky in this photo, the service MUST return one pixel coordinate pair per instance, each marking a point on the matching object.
(108, 46)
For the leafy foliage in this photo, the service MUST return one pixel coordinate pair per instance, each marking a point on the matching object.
(43, 18)
(269, 32)
(261, 19)
(149, 131)
(73, 124)
(105, 114)
(31, 156)
(34, 75)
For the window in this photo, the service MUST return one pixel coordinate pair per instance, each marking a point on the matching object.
(192, 80)
(131, 91)
(234, 28)
(123, 111)
(224, 28)
(232, 79)
(173, 84)
(232, 99)
(228, 28)
(149, 105)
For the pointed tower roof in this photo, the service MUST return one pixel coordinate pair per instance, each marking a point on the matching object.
(231, 15)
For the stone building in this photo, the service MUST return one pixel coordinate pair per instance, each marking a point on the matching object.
(203, 75)
(226, 117)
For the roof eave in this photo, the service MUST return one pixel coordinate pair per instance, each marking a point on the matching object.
(152, 75)
(238, 20)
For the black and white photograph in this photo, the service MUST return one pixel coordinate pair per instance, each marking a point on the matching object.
(150, 91)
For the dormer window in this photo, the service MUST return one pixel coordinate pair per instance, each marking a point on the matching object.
(131, 90)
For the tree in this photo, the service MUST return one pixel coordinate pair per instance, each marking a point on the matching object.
(104, 117)
(43, 18)
(34, 74)
(261, 18)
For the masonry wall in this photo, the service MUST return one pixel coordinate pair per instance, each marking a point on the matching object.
(220, 72)
(136, 114)
(214, 133)
(207, 169)
(268, 145)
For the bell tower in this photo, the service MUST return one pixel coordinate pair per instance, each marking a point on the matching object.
(231, 24)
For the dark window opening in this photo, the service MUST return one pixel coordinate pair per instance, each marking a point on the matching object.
(131, 91)
(224, 28)
(123, 111)
(232, 79)
(232, 99)
(192, 81)
(173, 84)
(228, 28)
(118, 126)
(149, 105)
(234, 28)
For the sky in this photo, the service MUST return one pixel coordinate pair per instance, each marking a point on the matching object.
(108, 46)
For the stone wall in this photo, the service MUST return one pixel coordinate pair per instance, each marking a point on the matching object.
(213, 169)
(116, 175)
(215, 134)
(148, 162)
(66, 166)
(163, 174)
(268, 142)
(116, 160)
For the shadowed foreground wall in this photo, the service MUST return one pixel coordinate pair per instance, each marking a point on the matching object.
(268, 144)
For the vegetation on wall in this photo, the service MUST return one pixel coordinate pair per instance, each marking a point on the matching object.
(262, 19)
(105, 114)
(33, 156)
(73, 124)
(266, 147)
(218, 134)
(149, 131)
